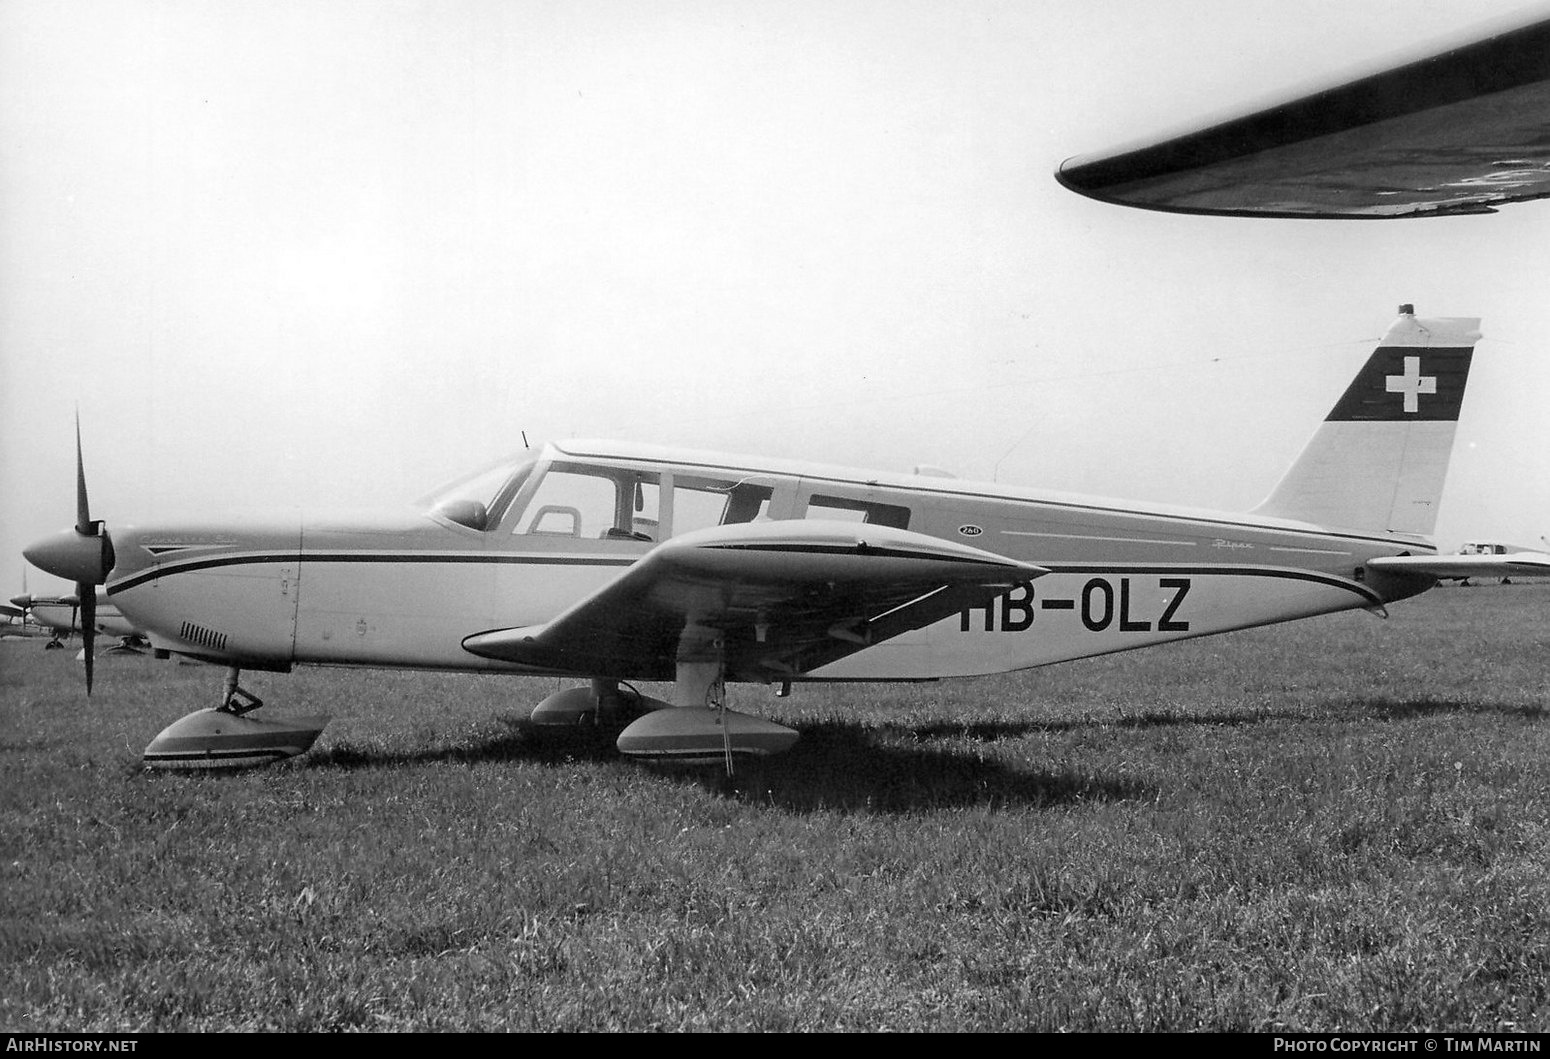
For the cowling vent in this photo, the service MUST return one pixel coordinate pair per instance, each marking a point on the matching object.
(198, 634)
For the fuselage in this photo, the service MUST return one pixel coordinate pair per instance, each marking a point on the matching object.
(519, 543)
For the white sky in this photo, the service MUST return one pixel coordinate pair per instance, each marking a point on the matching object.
(320, 253)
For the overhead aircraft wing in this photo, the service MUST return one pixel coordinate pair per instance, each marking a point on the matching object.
(1462, 130)
(1521, 564)
(784, 597)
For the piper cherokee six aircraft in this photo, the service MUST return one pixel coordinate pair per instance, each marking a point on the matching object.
(611, 563)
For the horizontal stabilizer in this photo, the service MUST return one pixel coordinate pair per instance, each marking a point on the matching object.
(1520, 564)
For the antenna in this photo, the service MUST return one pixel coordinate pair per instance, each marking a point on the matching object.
(524, 439)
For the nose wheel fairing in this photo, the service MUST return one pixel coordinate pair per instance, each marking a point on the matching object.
(225, 737)
(216, 739)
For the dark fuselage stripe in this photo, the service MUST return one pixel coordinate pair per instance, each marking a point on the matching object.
(262, 558)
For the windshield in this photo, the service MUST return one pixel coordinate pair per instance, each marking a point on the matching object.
(475, 500)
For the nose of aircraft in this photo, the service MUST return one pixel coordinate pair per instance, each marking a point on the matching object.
(83, 555)
(84, 558)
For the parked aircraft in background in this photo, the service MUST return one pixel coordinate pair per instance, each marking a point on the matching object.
(61, 615)
(612, 563)
(1493, 559)
(16, 623)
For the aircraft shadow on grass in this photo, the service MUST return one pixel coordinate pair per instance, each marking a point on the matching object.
(840, 766)
(1406, 709)
(1380, 708)
(836, 766)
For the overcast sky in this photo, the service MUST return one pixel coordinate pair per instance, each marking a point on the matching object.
(327, 254)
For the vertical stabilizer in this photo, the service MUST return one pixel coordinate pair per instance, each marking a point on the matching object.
(1378, 461)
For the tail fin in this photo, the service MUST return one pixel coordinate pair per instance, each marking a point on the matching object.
(1378, 461)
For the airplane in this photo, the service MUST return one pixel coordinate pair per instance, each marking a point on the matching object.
(16, 624)
(61, 615)
(1462, 128)
(1492, 559)
(612, 563)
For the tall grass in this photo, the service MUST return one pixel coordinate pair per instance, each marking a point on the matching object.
(1336, 825)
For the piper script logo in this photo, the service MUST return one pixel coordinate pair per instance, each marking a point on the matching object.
(1412, 384)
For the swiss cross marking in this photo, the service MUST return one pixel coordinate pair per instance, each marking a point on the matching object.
(1412, 384)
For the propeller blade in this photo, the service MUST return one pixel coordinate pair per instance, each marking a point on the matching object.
(88, 594)
(83, 554)
(83, 524)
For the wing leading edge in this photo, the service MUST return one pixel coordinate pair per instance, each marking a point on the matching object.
(784, 597)
(1463, 130)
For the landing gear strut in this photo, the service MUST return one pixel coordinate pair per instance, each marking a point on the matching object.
(236, 700)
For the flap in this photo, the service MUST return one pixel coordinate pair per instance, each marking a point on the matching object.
(784, 598)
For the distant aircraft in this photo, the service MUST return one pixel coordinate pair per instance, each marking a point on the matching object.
(612, 563)
(61, 615)
(16, 623)
(1464, 129)
(1492, 559)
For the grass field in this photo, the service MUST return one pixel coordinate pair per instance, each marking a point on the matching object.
(1337, 824)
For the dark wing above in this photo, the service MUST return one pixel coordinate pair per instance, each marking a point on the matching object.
(783, 597)
(1464, 130)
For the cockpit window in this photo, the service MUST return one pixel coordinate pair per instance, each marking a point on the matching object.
(476, 500)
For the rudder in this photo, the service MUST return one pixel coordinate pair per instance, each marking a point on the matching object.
(1379, 459)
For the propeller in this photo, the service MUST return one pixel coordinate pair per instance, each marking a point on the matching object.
(83, 554)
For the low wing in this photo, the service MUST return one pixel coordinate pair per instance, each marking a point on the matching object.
(784, 598)
(1521, 564)
(1463, 130)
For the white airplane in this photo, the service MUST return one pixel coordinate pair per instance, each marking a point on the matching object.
(613, 563)
(1492, 559)
(61, 615)
(16, 623)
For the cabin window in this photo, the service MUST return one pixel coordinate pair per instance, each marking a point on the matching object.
(844, 509)
(592, 502)
(747, 502)
(699, 503)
